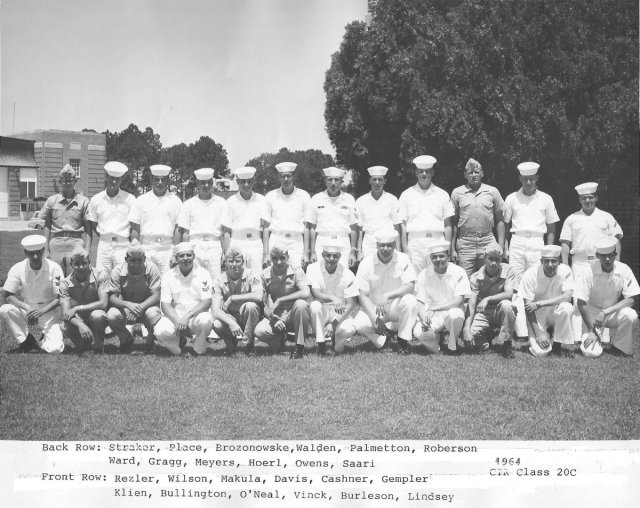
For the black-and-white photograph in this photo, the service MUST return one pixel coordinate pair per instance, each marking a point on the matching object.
(327, 220)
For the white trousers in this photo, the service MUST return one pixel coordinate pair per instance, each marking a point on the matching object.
(622, 321)
(160, 253)
(199, 328)
(402, 310)
(418, 249)
(558, 317)
(209, 255)
(110, 254)
(524, 252)
(451, 320)
(321, 315)
(49, 323)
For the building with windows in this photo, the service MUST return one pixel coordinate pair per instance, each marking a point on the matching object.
(18, 175)
(50, 151)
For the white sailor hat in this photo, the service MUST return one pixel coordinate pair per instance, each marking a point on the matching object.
(592, 351)
(115, 169)
(587, 188)
(183, 247)
(385, 235)
(550, 251)
(245, 173)
(377, 171)
(67, 170)
(606, 245)
(286, 167)
(33, 242)
(424, 161)
(439, 246)
(204, 173)
(333, 172)
(331, 247)
(160, 170)
(528, 168)
(473, 164)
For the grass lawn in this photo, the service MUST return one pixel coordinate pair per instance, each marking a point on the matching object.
(359, 395)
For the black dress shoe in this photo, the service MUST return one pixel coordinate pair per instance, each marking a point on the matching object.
(28, 344)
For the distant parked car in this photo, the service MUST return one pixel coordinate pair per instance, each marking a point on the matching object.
(36, 222)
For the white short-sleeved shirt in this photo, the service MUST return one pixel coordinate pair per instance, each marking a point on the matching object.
(341, 283)
(434, 289)
(287, 212)
(184, 293)
(535, 285)
(601, 289)
(425, 210)
(34, 288)
(247, 214)
(584, 231)
(111, 214)
(156, 215)
(333, 216)
(377, 278)
(204, 217)
(381, 213)
(530, 214)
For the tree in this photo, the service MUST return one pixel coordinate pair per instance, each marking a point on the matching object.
(308, 175)
(500, 81)
(138, 150)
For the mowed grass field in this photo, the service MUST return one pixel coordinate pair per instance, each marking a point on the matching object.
(359, 395)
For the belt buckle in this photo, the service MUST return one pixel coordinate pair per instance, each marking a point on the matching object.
(334, 237)
(428, 235)
(158, 239)
(288, 235)
(249, 235)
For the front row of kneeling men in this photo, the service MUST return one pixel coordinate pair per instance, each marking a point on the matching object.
(435, 307)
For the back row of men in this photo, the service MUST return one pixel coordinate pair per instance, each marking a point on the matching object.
(424, 216)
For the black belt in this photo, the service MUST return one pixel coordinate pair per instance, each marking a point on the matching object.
(66, 234)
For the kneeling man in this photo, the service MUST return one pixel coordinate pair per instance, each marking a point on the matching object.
(84, 296)
(490, 304)
(31, 293)
(334, 289)
(386, 282)
(134, 295)
(442, 288)
(606, 293)
(547, 290)
(185, 301)
(237, 296)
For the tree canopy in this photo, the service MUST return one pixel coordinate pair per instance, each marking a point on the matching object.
(308, 175)
(502, 81)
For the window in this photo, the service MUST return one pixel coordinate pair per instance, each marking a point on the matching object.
(28, 180)
(75, 164)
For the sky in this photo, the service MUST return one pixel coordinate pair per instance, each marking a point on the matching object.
(247, 73)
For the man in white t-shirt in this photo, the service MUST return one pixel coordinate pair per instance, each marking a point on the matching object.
(606, 293)
(334, 292)
(442, 288)
(427, 214)
(154, 218)
(547, 290)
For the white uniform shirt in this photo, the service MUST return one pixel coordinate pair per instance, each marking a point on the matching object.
(333, 216)
(34, 288)
(247, 214)
(375, 214)
(584, 231)
(184, 293)
(530, 214)
(111, 214)
(601, 289)
(425, 210)
(287, 212)
(434, 289)
(535, 285)
(377, 277)
(156, 215)
(341, 283)
(204, 217)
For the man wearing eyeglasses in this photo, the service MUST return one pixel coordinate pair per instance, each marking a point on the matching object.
(65, 220)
